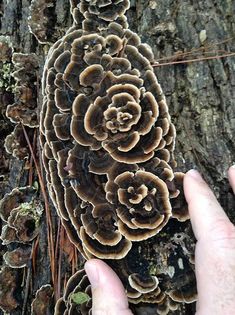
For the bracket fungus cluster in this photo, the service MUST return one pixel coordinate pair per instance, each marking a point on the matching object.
(20, 210)
(77, 296)
(42, 301)
(8, 284)
(16, 144)
(24, 108)
(20, 213)
(39, 20)
(107, 146)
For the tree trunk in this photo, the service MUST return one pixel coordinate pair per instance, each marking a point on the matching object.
(200, 93)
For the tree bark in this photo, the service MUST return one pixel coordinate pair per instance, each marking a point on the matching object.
(200, 94)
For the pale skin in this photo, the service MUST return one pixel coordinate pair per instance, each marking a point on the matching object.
(214, 257)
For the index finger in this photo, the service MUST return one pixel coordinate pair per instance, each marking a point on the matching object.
(208, 219)
(231, 177)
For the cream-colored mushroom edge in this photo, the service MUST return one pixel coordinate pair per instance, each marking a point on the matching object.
(108, 149)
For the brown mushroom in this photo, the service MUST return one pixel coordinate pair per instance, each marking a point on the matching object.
(98, 14)
(5, 48)
(42, 301)
(39, 20)
(143, 204)
(18, 258)
(179, 204)
(143, 284)
(77, 296)
(25, 219)
(108, 145)
(13, 200)
(8, 284)
(8, 235)
(25, 74)
(16, 144)
(166, 305)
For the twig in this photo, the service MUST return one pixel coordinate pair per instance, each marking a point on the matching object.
(26, 291)
(34, 254)
(193, 60)
(195, 50)
(48, 215)
(58, 258)
(31, 160)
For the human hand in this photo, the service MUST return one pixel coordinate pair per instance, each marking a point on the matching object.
(215, 257)
(215, 248)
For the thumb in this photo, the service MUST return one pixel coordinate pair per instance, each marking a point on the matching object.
(108, 294)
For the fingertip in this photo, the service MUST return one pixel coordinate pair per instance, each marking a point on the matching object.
(193, 182)
(231, 177)
(107, 289)
(100, 274)
(92, 271)
(194, 174)
(204, 209)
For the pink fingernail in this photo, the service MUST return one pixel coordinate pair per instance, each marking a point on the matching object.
(92, 273)
(195, 174)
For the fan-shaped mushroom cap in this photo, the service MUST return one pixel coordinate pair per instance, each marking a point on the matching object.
(8, 235)
(143, 284)
(142, 201)
(21, 211)
(18, 258)
(39, 20)
(153, 297)
(14, 200)
(187, 294)
(107, 10)
(98, 14)
(25, 74)
(179, 204)
(77, 296)
(8, 283)
(42, 300)
(15, 143)
(166, 305)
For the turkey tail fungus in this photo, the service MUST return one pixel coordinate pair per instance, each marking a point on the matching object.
(108, 149)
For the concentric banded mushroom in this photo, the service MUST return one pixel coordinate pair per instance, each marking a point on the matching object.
(142, 201)
(107, 146)
(77, 296)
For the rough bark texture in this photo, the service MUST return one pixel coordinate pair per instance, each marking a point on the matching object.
(200, 95)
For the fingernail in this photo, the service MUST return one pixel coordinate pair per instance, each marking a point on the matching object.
(195, 174)
(92, 273)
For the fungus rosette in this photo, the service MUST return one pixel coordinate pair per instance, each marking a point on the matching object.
(142, 200)
(100, 235)
(77, 296)
(101, 92)
(107, 10)
(98, 14)
(107, 146)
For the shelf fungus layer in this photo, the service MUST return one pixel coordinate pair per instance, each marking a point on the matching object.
(107, 146)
